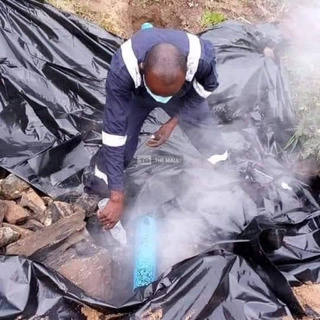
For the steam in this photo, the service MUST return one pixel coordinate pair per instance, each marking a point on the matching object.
(212, 205)
(200, 206)
(196, 205)
(301, 28)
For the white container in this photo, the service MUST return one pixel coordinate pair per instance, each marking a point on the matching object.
(117, 231)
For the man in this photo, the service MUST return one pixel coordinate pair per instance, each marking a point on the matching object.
(163, 68)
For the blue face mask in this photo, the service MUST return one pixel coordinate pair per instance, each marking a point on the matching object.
(155, 97)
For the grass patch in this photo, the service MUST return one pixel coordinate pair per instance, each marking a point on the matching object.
(212, 18)
(93, 12)
(304, 78)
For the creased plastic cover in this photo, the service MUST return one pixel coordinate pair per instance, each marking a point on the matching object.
(52, 71)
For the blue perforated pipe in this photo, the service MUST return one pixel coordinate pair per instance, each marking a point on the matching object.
(145, 264)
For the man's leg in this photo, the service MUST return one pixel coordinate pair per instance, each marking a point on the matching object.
(141, 108)
(202, 130)
(97, 183)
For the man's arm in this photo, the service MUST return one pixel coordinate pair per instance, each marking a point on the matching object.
(205, 81)
(204, 84)
(114, 132)
(195, 116)
(110, 166)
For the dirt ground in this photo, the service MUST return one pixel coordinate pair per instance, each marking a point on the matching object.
(123, 17)
(92, 314)
(188, 14)
(309, 297)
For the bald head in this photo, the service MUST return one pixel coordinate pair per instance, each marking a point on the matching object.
(165, 69)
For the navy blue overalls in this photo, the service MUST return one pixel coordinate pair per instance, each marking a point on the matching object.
(128, 103)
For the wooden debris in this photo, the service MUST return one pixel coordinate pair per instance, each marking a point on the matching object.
(7, 236)
(47, 238)
(15, 214)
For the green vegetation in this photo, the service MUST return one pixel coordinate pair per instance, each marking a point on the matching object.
(211, 18)
(304, 80)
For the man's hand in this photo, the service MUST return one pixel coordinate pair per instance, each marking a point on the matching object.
(113, 211)
(163, 134)
(268, 52)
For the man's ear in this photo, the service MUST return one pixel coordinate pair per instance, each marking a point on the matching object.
(141, 67)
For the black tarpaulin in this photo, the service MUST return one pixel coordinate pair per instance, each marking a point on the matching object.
(215, 285)
(53, 67)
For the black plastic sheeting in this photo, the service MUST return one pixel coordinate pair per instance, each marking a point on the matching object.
(256, 226)
(53, 69)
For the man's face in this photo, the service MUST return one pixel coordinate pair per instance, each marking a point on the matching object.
(159, 87)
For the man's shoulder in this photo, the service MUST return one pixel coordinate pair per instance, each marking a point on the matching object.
(144, 40)
(158, 32)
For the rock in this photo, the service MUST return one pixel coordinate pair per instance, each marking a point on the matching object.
(15, 214)
(92, 274)
(33, 225)
(3, 211)
(89, 203)
(3, 173)
(56, 257)
(12, 187)
(77, 208)
(57, 210)
(7, 236)
(47, 200)
(47, 221)
(22, 231)
(41, 242)
(33, 201)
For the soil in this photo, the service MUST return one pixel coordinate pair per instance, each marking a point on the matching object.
(308, 296)
(188, 14)
(92, 314)
(126, 16)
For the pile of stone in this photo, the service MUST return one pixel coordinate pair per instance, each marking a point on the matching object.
(52, 232)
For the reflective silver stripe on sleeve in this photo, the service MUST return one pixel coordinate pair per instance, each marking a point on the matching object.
(99, 174)
(131, 62)
(218, 158)
(113, 140)
(193, 57)
(201, 91)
